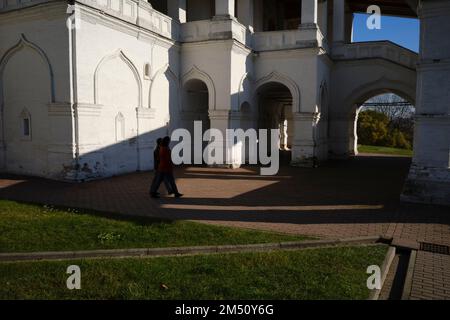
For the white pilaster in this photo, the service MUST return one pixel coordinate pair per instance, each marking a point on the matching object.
(304, 153)
(177, 10)
(245, 13)
(323, 17)
(339, 21)
(225, 8)
(309, 12)
(429, 175)
(219, 120)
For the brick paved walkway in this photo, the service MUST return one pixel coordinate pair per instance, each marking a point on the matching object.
(431, 276)
(358, 197)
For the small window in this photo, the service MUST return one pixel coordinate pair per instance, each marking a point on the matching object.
(120, 127)
(25, 124)
(26, 127)
(147, 71)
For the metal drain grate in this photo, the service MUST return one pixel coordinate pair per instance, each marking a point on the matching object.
(435, 248)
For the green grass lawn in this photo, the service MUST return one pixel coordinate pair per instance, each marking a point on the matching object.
(331, 273)
(385, 150)
(25, 227)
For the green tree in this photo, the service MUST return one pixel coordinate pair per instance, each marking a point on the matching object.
(376, 129)
(373, 128)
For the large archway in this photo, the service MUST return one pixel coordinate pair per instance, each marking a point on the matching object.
(384, 122)
(382, 101)
(275, 111)
(195, 110)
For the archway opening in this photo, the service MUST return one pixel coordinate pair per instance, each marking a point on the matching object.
(196, 108)
(384, 124)
(275, 112)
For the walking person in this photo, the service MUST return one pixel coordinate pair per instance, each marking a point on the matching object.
(158, 176)
(165, 171)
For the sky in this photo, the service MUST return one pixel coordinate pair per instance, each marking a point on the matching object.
(403, 31)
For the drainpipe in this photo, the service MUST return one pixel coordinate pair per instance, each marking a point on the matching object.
(71, 26)
(2, 114)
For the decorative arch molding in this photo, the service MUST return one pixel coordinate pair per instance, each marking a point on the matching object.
(25, 113)
(196, 74)
(275, 76)
(22, 44)
(165, 70)
(121, 55)
(380, 86)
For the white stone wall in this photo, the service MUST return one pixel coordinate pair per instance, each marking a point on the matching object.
(123, 86)
(34, 83)
(354, 82)
(429, 176)
(130, 78)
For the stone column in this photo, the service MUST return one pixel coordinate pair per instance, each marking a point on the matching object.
(62, 145)
(225, 8)
(348, 33)
(309, 12)
(146, 141)
(342, 137)
(338, 21)
(323, 17)
(258, 16)
(429, 176)
(219, 120)
(177, 10)
(245, 13)
(304, 144)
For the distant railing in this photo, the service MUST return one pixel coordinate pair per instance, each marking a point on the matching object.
(288, 39)
(376, 49)
(138, 12)
(215, 29)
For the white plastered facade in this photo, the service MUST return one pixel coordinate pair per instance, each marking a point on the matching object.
(96, 96)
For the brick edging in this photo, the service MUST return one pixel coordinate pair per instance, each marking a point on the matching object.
(375, 294)
(407, 286)
(176, 251)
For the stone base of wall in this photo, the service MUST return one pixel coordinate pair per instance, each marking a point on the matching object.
(306, 162)
(427, 185)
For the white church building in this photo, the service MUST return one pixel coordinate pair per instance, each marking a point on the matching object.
(86, 86)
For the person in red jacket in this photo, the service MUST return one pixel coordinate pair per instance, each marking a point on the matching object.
(156, 176)
(165, 170)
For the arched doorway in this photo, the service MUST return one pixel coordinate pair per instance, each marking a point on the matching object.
(196, 111)
(275, 112)
(384, 123)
